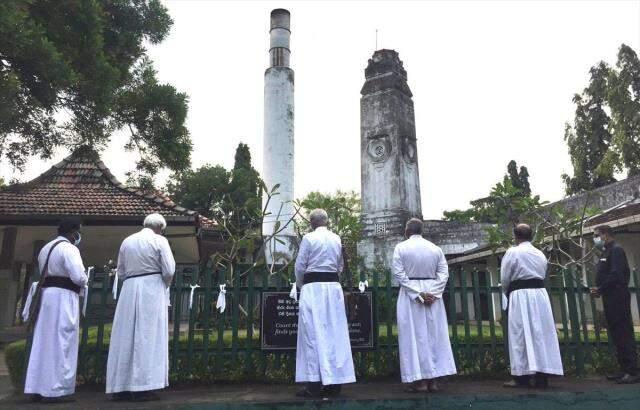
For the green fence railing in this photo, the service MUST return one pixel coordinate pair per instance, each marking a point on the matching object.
(207, 345)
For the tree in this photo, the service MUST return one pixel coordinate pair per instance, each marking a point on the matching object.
(519, 180)
(624, 101)
(73, 71)
(202, 190)
(244, 190)
(506, 200)
(589, 138)
(212, 190)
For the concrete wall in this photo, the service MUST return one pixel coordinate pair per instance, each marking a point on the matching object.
(604, 197)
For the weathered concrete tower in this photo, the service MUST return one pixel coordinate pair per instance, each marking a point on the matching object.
(278, 138)
(389, 158)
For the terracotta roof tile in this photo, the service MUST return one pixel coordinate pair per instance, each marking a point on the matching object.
(82, 185)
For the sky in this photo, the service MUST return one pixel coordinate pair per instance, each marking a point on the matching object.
(492, 81)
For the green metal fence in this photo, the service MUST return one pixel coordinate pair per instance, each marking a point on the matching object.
(207, 345)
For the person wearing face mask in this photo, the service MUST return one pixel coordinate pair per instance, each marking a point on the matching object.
(138, 359)
(51, 372)
(534, 351)
(612, 283)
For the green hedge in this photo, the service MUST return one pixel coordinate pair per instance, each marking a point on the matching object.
(473, 358)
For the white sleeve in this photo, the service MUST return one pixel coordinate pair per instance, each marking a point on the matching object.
(340, 266)
(120, 269)
(401, 276)
(73, 265)
(442, 276)
(301, 261)
(167, 261)
(506, 270)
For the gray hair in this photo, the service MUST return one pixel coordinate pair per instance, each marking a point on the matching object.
(318, 217)
(155, 221)
(414, 226)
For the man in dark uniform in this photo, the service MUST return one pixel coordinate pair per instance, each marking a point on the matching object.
(612, 283)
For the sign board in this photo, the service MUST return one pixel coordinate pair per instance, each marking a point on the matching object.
(279, 327)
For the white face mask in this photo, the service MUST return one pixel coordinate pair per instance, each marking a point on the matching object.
(598, 242)
(78, 239)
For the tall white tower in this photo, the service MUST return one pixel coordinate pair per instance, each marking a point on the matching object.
(278, 140)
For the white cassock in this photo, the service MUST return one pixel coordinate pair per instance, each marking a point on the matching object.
(324, 350)
(54, 352)
(533, 339)
(423, 331)
(139, 349)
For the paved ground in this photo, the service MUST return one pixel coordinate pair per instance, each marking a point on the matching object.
(458, 393)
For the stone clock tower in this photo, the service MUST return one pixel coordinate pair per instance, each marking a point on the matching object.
(388, 157)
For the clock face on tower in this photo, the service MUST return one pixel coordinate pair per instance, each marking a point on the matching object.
(379, 148)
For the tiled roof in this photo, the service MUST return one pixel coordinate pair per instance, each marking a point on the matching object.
(81, 185)
(626, 209)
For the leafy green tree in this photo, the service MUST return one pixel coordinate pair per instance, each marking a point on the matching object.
(624, 101)
(213, 191)
(505, 202)
(519, 180)
(74, 71)
(244, 190)
(590, 136)
(202, 190)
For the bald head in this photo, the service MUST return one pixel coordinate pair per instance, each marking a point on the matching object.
(522, 233)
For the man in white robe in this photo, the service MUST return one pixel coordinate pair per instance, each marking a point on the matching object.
(533, 340)
(51, 373)
(139, 350)
(323, 355)
(421, 270)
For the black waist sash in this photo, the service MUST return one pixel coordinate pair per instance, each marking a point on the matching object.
(525, 284)
(60, 282)
(141, 275)
(422, 278)
(311, 277)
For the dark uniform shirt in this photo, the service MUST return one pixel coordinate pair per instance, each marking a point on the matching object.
(613, 268)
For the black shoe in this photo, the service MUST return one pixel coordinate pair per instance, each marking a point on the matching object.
(516, 384)
(616, 376)
(62, 399)
(36, 398)
(306, 393)
(541, 381)
(144, 396)
(122, 396)
(331, 390)
(629, 379)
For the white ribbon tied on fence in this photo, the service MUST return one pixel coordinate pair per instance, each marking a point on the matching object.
(115, 286)
(85, 291)
(294, 292)
(221, 304)
(27, 304)
(193, 289)
(363, 285)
